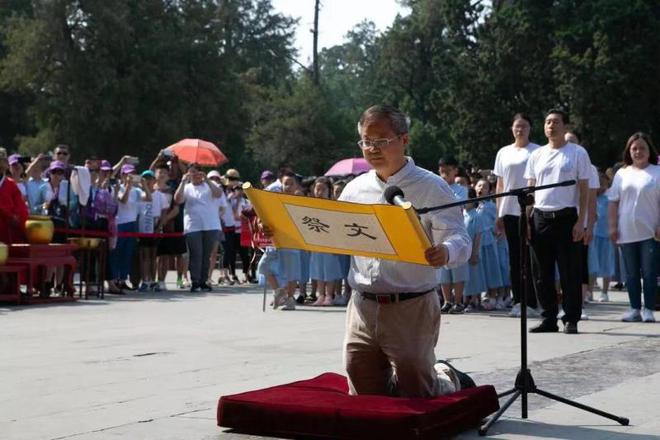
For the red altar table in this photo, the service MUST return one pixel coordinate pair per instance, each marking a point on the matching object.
(37, 259)
(10, 291)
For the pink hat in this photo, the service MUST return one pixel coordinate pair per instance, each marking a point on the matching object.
(105, 166)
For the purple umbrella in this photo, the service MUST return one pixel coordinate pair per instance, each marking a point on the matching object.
(345, 167)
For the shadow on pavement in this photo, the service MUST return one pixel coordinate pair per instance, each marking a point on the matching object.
(508, 428)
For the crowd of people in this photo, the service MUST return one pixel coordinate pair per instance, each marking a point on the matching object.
(169, 215)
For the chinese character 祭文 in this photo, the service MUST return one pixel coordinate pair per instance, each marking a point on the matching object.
(357, 230)
(314, 224)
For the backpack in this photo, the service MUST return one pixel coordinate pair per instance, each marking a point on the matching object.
(104, 204)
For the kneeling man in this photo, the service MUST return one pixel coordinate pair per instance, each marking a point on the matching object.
(393, 318)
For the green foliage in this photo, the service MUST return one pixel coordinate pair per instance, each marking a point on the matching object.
(129, 76)
(133, 76)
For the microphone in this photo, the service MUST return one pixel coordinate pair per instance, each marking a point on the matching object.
(394, 196)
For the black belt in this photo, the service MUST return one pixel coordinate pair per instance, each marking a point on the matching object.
(556, 214)
(390, 298)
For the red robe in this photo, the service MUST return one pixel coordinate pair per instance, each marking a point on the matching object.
(13, 213)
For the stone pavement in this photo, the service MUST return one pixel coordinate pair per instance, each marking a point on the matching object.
(152, 366)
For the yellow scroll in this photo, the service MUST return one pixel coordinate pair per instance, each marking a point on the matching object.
(320, 225)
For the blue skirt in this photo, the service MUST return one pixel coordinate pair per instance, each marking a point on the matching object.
(476, 282)
(289, 267)
(491, 266)
(503, 257)
(345, 261)
(304, 266)
(325, 267)
(269, 264)
(601, 257)
(458, 274)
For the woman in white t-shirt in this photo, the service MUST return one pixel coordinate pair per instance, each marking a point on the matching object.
(121, 257)
(509, 168)
(634, 222)
(200, 222)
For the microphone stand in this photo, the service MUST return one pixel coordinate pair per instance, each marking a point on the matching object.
(524, 382)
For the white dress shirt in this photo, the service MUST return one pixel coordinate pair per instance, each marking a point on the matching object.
(423, 189)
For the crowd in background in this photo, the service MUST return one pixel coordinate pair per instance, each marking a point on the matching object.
(203, 222)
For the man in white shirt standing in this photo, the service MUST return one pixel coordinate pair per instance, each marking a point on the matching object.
(393, 320)
(558, 221)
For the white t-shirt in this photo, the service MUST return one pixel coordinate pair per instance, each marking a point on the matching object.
(149, 212)
(638, 194)
(128, 212)
(510, 164)
(221, 202)
(275, 186)
(201, 209)
(237, 204)
(228, 216)
(553, 165)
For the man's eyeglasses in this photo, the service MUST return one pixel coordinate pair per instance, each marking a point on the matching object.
(61, 153)
(376, 143)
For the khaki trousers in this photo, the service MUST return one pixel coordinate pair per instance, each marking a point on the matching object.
(389, 348)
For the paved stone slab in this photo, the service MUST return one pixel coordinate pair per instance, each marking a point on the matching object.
(153, 365)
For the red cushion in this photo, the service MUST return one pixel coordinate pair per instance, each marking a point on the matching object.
(321, 407)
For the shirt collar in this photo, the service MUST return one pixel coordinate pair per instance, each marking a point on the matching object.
(399, 176)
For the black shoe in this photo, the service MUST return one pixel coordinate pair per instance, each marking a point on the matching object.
(570, 328)
(465, 380)
(446, 307)
(545, 327)
(205, 287)
(457, 309)
(300, 299)
(125, 286)
(195, 288)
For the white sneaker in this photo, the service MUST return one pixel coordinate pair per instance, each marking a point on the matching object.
(632, 315)
(561, 313)
(507, 301)
(584, 316)
(278, 298)
(647, 315)
(289, 304)
(500, 305)
(515, 311)
(488, 304)
(603, 298)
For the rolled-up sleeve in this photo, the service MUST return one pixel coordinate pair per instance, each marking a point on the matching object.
(448, 228)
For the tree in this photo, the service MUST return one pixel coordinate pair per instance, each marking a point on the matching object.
(297, 127)
(607, 64)
(111, 78)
